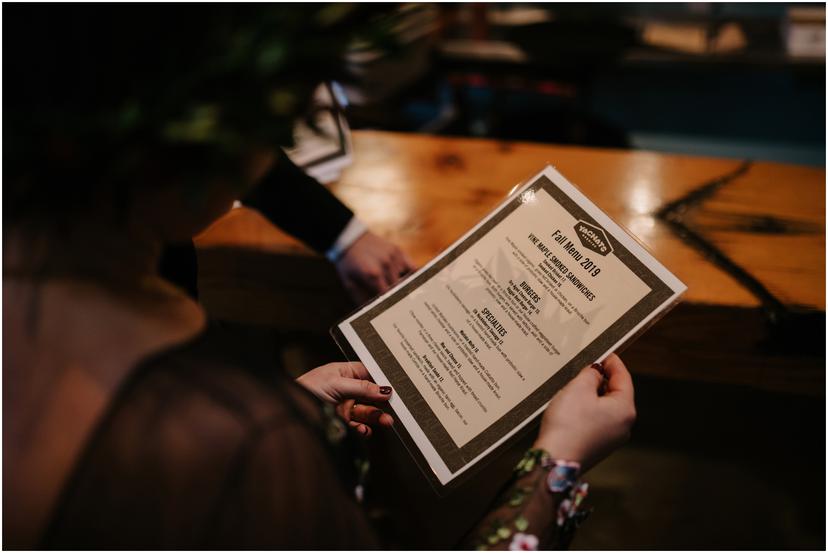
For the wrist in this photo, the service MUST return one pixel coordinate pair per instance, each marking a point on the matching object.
(561, 480)
(352, 232)
(562, 475)
(559, 448)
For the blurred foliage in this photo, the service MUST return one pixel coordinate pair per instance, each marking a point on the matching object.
(103, 95)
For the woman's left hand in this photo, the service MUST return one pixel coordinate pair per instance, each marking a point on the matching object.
(348, 386)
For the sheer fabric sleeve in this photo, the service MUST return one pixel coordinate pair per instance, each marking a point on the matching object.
(287, 495)
(528, 516)
(198, 455)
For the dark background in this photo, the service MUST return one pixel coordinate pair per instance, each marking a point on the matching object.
(589, 75)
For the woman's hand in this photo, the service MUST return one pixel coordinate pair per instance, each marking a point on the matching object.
(348, 386)
(589, 417)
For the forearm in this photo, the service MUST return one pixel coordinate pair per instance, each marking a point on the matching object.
(299, 205)
(527, 514)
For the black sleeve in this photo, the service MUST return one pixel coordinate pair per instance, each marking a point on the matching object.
(299, 205)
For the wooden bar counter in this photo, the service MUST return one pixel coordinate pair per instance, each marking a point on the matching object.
(748, 238)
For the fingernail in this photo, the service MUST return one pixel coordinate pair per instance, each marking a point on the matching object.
(598, 367)
(385, 390)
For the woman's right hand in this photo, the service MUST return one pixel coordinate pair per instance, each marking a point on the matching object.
(581, 424)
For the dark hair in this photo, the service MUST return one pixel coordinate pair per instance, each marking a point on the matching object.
(99, 98)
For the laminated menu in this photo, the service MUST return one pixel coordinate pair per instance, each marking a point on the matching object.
(477, 341)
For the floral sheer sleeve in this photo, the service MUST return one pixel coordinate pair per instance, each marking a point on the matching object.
(539, 508)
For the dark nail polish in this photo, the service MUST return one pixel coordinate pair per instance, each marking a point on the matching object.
(598, 367)
(385, 390)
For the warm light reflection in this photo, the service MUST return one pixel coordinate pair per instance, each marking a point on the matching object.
(382, 195)
(641, 198)
(380, 176)
(527, 197)
(642, 226)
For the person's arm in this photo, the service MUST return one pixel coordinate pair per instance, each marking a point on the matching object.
(296, 202)
(289, 494)
(541, 505)
(527, 515)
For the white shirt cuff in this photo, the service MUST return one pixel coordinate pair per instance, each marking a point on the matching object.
(352, 231)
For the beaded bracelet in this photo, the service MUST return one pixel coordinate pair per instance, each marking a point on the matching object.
(562, 478)
(563, 475)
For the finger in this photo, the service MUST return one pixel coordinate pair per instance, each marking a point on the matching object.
(362, 429)
(360, 390)
(366, 414)
(396, 269)
(389, 272)
(403, 264)
(407, 263)
(344, 409)
(378, 283)
(370, 415)
(619, 381)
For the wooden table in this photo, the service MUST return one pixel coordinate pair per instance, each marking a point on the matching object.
(748, 238)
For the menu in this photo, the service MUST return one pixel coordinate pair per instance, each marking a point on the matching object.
(477, 342)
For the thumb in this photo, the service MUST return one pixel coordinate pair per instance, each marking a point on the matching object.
(589, 377)
(344, 388)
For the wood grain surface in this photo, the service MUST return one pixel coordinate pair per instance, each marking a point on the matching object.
(748, 238)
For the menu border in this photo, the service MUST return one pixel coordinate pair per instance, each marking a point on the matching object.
(456, 458)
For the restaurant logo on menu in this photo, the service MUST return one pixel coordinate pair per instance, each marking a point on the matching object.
(593, 237)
